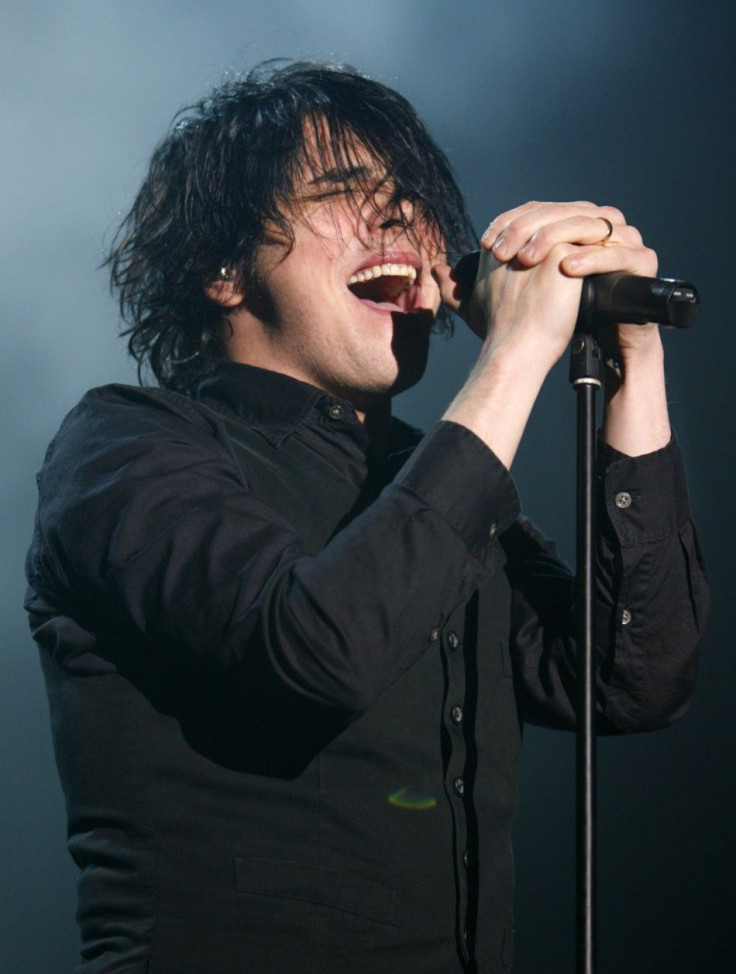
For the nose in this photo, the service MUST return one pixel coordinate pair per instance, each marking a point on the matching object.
(399, 213)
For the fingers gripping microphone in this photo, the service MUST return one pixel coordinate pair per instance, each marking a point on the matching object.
(608, 299)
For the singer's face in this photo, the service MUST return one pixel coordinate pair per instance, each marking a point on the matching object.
(350, 306)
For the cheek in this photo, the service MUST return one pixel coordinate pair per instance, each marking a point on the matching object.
(297, 293)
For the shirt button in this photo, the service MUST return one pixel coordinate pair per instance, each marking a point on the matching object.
(492, 530)
(457, 714)
(434, 635)
(459, 785)
(625, 617)
(466, 859)
(452, 640)
(622, 499)
(336, 411)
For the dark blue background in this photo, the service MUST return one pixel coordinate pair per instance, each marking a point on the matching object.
(629, 103)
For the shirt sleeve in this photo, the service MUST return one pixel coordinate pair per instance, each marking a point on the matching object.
(651, 601)
(148, 534)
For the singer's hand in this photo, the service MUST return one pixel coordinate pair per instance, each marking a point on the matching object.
(520, 233)
(524, 305)
(532, 234)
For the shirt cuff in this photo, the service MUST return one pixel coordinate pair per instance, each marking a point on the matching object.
(456, 474)
(646, 496)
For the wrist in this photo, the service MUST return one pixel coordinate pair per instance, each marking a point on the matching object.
(636, 419)
(639, 346)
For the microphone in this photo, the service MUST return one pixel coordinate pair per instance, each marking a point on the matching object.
(608, 299)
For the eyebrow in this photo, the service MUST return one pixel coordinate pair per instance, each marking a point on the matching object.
(357, 174)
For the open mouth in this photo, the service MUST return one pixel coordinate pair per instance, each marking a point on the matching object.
(388, 286)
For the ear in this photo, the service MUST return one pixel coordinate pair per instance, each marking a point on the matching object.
(225, 293)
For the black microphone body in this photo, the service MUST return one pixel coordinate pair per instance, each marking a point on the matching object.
(608, 299)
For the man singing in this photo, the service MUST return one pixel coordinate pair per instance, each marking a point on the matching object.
(289, 642)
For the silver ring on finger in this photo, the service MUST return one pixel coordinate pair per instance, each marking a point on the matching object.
(604, 239)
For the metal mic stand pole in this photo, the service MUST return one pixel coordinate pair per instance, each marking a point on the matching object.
(585, 378)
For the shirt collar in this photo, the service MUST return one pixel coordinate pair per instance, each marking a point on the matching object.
(273, 403)
(276, 405)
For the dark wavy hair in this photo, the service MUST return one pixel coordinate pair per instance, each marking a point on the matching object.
(228, 167)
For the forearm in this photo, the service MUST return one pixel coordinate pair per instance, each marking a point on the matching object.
(636, 420)
(525, 316)
(496, 401)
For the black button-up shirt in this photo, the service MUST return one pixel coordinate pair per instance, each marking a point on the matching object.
(287, 677)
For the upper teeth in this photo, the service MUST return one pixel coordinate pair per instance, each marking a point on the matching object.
(387, 270)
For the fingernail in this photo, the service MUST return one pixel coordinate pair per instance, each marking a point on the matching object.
(500, 246)
(488, 237)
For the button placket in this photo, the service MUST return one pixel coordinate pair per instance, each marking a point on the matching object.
(456, 786)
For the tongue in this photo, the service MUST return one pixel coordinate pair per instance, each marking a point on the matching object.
(383, 291)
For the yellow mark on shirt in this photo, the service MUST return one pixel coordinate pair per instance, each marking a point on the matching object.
(414, 801)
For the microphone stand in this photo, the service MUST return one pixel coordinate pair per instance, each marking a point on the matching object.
(585, 378)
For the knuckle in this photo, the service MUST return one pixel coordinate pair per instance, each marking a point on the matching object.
(650, 254)
(564, 249)
(613, 214)
(497, 225)
(542, 237)
(648, 260)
